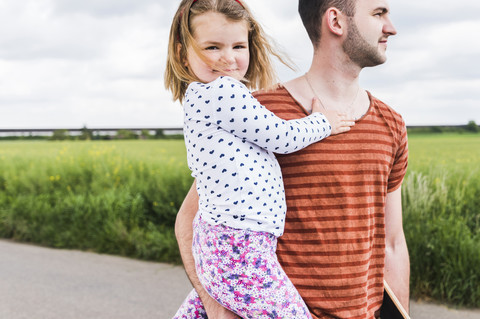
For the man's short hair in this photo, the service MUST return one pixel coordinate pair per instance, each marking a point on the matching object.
(312, 11)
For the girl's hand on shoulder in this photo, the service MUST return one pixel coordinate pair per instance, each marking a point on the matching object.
(339, 121)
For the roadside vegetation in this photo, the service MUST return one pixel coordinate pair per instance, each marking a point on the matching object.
(121, 197)
(110, 197)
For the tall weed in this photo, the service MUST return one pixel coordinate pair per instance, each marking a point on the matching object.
(441, 203)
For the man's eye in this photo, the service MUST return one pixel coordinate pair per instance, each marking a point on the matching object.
(380, 13)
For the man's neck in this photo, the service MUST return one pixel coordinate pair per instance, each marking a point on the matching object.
(333, 76)
(334, 82)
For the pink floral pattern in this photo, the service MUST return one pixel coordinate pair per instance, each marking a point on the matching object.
(240, 270)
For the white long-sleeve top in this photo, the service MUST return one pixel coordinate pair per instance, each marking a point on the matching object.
(230, 140)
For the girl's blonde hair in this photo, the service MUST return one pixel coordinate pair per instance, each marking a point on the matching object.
(260, 73)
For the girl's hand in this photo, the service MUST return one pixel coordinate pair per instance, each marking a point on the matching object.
(339, 122)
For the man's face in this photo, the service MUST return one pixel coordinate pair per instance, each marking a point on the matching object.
(367, 33)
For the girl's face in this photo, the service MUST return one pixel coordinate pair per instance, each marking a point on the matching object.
(223, 44)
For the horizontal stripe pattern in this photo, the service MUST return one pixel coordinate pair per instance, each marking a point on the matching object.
(333, 248)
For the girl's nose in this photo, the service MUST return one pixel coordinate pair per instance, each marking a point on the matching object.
(228, 56)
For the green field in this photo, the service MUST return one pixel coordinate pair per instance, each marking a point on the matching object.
(121, 197)
(441, 202)
(114, 197)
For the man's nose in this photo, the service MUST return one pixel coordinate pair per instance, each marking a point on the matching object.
(389, 28)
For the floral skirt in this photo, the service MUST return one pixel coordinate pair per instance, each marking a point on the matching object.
(239, 269)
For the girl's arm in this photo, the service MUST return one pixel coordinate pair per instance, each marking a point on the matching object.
(228, 104)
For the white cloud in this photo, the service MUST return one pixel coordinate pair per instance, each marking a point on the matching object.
(66, 66)
(67, 63)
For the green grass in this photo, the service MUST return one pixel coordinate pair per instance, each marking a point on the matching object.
(122, 197)
(445, 152)
(441, 201)
(111, 197)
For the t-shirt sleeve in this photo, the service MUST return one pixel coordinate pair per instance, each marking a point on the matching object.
(228, 104)
(400, 164)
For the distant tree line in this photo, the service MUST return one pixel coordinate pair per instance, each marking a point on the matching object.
(124, 134)
(471, 127)
(92, 134)
(129, 134)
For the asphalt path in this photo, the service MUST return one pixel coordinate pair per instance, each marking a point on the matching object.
(45, 283)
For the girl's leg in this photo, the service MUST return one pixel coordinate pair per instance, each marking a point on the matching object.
(192, 308)
(240, 270)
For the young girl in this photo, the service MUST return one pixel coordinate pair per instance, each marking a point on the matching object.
(215, 49)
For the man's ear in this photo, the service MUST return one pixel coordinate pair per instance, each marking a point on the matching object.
(335, 21)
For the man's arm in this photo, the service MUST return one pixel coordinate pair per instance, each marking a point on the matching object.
(397, 262)
(184, 234)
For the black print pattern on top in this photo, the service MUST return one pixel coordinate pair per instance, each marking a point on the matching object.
(230, 140)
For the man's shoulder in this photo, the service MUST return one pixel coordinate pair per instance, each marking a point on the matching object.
(279, 101)
(387, 111)
(391, 118)
(278, 91)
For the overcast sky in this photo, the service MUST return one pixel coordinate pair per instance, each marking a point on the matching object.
(100, 63)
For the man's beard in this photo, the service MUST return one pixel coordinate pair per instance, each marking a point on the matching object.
(359, 50)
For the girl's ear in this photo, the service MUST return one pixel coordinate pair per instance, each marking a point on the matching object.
(182, 57)
(335, 21)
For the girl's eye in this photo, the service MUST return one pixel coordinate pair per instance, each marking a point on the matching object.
(211, 48)
(239, 47)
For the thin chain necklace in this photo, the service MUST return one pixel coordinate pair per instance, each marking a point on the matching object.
(320, 100)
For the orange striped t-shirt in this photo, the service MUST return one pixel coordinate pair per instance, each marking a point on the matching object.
(333, 248)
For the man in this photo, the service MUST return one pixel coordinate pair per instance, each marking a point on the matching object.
(343, 233)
